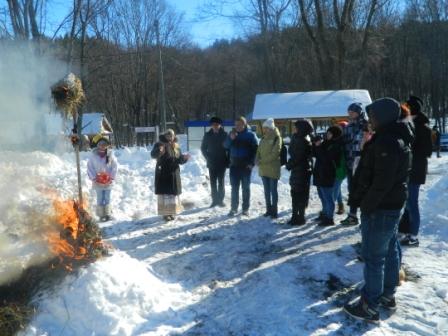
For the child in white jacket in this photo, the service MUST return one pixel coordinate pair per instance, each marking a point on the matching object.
(102, 169)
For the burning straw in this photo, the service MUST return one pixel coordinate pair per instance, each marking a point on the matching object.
(68, 94)
(75, 241)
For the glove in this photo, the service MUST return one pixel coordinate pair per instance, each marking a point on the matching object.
(103, 178)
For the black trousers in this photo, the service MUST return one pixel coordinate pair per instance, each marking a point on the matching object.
(217, 184)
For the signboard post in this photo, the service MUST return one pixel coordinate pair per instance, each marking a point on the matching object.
(148, 129)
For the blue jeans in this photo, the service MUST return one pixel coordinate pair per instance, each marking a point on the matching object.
(380, 250)
(240, 176)
(102, 196)
(353, 210)
(327, 200)
(337, 194)
(270, 192)
(412, 207)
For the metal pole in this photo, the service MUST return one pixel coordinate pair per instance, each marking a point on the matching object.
(162, 103)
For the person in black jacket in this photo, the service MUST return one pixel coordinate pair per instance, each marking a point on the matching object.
(380, 190)
(167, 177)
(436, 140)
(328, 155)
(300, 164)
(421, 151)
(217, 157)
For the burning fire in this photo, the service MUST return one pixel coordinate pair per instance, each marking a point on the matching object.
(75, 237)
(64, 243)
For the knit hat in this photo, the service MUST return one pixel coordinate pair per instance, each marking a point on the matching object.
(216, 120)
(335, 130)
(384, 111)
(100, 138)
(415, 104)
(269, 123)
(304, 126)
(355, 107)
(169, 131)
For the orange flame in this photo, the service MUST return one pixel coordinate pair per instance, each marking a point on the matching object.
(64, 242)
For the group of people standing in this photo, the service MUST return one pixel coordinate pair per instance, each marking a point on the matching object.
(384, 158)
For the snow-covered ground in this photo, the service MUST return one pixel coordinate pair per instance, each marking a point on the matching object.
(207, 274)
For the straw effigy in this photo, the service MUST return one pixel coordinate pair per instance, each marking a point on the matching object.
(68, 94)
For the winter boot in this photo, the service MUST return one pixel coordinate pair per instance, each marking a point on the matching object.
(232, 213)
(268, 211)
(410, 240)
(360, 310)
(326, 221)
(301, 216)
(340, 210)
(274, 212)
(106, 214)
(100, 211)
(350, 220)
(388, 302)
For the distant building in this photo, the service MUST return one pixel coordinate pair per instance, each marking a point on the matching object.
(322, 107)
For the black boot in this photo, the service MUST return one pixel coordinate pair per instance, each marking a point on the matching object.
(301, 217)
(268, 212)
(274, 212)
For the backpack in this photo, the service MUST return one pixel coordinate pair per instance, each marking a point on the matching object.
(283, 153)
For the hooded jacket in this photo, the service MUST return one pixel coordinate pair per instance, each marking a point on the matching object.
(167, 176)
(421, 149)
(268, 155)
(380, 181)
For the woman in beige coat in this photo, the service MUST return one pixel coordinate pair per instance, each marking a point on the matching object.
(268, 160)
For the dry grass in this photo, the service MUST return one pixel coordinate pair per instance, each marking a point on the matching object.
(68, 94)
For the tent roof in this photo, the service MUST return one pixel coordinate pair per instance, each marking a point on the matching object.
(313, 104)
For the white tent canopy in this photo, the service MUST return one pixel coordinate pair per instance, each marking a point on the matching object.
(313, 104)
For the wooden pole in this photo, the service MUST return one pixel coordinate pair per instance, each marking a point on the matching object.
(77, 125)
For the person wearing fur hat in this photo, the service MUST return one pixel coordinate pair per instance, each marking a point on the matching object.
(167, 177)
(352, 138)
(328, 155)
(421, 151)
(380, 189)
(242, 144)
(217, 156)
(102, 170)
(300, 165)
(268, 161)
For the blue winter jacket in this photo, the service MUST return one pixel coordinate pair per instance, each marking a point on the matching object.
(243, 149)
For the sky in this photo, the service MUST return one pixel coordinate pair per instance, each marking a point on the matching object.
(203, 32)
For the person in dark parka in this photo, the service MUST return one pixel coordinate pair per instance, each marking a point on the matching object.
(380, 191)
(421, 151)
(436, 137)
(217, 157)
(328, 155)
(300, 164)
(167, 177)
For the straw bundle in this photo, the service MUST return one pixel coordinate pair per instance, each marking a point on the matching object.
(68, 94)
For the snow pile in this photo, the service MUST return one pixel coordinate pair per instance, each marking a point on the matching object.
(24, 209)
(208, 274)
(114, 296)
